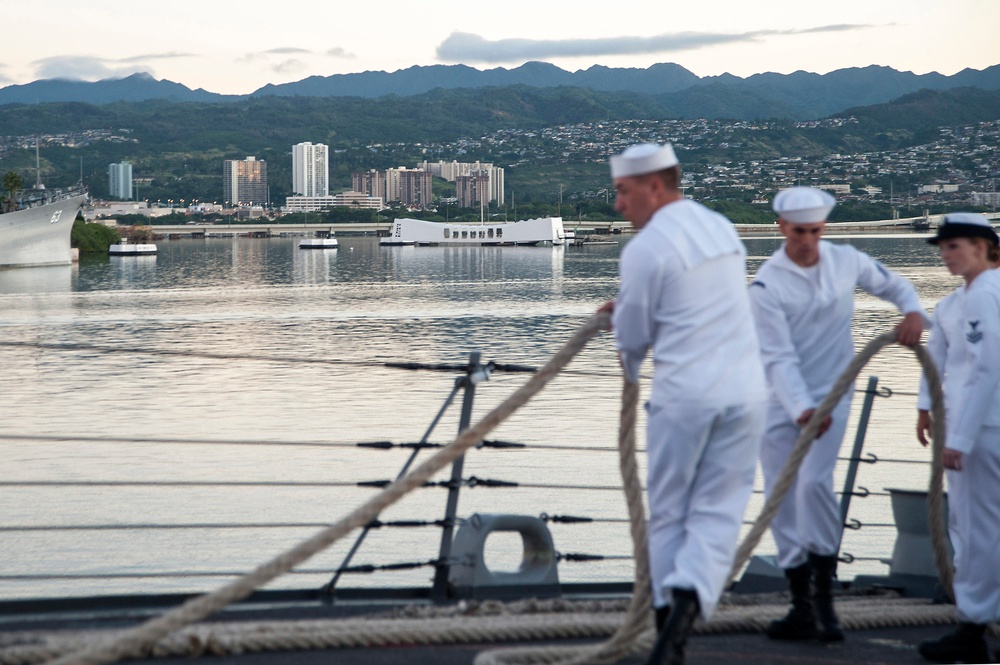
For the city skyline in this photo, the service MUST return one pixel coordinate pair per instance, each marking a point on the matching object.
(210, 47)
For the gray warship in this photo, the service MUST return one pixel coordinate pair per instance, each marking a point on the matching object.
(35, 228)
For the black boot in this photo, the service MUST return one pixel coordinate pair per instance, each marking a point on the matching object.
(800, 622)
(669, 647)
(965, 645)
(824, 573)
(661, 617)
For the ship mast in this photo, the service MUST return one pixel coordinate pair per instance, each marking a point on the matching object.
(38, 167)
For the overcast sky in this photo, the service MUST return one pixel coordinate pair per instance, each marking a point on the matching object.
(235, 48)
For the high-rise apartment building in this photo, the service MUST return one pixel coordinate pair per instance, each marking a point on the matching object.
(244, 181)
(310, 169)
(411, 187)
(120, 181)
(451, 171)
(370, 182)
(473, 189)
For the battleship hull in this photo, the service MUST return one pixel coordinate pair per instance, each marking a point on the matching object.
(39, 236)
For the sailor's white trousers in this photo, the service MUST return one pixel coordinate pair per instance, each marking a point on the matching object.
(700, 476)
(974, 524)
(809, 517)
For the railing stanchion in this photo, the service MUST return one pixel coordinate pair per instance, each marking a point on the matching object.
(859, 443)
(439, 592)
(327, 592)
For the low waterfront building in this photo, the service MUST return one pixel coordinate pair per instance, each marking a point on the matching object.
(358, 200)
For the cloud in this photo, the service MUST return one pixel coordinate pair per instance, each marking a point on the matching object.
(287, 50)
(84, 68)
(157, 56)
(842, 27)
(338, 52)
(289, 66)
(467, 47)
(93, 68)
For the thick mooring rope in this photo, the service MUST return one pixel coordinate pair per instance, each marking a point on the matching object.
(244, 637)
(532, 656)
(625, 639)
(629, 634)
(808, 435)
(136, 641)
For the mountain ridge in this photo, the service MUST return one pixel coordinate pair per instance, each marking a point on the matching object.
(800, 94)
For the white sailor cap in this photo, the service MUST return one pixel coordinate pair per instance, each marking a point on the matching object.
(641, 159)
(803, 205)
(964, 225)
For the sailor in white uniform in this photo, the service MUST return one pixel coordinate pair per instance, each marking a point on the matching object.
(803, 302)
(965, 345)
(683, 295)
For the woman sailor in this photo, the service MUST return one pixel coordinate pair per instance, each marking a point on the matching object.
(965, 345)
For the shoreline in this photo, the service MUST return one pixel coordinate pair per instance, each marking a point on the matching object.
(347, 229)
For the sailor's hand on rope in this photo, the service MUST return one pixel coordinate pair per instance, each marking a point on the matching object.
(807, 415)
(910, 329)
(607, 308)
(951, 459)
(924, 427)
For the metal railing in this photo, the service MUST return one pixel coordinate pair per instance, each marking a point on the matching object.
(471, 375)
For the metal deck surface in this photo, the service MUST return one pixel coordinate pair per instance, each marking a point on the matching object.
(875, 646)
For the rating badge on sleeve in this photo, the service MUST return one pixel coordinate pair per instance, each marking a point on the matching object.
(973, 335)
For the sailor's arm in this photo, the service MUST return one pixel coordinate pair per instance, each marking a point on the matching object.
(982, 343)
(889, 285)
(781, 360)
(633, 312)
(937, 349)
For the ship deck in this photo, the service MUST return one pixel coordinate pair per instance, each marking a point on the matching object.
(868, 647)
(896, 644)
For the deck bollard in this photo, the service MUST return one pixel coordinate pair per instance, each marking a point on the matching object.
(470, 577)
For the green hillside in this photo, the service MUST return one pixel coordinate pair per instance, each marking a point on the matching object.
(177, 149)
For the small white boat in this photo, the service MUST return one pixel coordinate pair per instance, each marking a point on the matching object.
(125, 248)
(319, 243)
(545, 230)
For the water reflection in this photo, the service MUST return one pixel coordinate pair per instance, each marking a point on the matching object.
(314, 266)
(41, 279)
(132, 271)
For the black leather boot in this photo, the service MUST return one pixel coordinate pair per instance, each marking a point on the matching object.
(669, 647)
(965, 645)
(800, 622)
(824, 573)
(661, 617)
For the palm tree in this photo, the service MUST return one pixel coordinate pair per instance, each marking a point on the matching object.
(11, 183)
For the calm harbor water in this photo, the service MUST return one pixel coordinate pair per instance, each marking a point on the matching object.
(262, 433)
